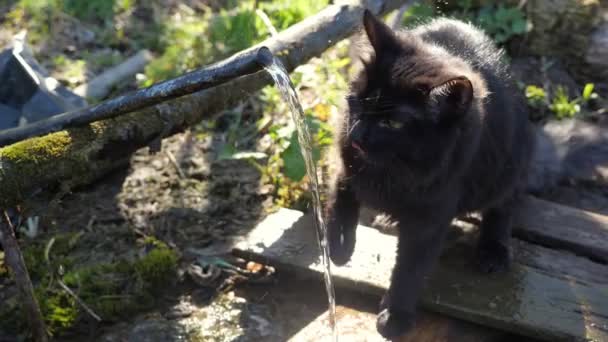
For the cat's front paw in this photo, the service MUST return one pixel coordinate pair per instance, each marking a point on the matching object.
(493, 257)
(341, 245)
(393, 323)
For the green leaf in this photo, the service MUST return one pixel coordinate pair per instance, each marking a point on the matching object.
(227, 152)
(293, 163)
(417, 13)
(588, 91)
(341, 62)
(535, 93)
(562, 106)
(519, 26)
(501, 14)
(501, 37)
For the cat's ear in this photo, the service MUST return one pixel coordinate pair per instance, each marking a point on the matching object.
(382, 38)
(452, 99)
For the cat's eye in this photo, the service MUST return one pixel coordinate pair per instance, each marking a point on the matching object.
(392, 124)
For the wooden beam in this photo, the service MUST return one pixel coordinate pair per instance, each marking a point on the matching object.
(102, 84)
(549, 294)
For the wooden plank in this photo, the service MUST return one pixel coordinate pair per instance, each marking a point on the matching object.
(549, 294)
(360, 326)
(551, 224)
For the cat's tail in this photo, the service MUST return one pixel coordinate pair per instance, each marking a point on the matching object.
(568, 150)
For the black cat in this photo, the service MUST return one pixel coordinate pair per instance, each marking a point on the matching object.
(434, 128)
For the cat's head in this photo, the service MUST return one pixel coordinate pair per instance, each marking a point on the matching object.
(409, 103)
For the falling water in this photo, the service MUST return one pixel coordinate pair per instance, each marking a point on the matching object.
(283, 82)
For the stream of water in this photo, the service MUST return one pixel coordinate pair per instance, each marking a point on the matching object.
(283, 82)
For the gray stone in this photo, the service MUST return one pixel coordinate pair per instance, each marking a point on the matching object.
(597, 52)
(9, 117)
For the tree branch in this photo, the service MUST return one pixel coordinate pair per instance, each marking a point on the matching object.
(81, 154)
(14, 260)
(243, 63)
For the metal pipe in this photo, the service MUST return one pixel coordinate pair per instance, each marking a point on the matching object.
(244, 63)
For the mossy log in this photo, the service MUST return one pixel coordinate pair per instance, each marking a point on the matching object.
(79, 155)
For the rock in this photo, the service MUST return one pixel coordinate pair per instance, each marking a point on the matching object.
(181, 310)
(9, 117)
(27, 94)
(569, 151)
(154, 329)
(597, 51)
(549, 73)
(228, 318)
(563, 28)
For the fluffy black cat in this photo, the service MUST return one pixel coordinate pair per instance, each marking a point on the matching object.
(434, 128)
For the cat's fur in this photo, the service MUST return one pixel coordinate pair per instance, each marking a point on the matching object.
(434, 128)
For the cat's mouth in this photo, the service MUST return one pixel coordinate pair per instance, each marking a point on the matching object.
(358, 148)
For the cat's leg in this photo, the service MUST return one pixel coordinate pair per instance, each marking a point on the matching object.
(417, 253)
(493, 249)
(342, 218)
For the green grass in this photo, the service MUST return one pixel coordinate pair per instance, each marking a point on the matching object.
(41, 16)
(195, 41)
(499, 21)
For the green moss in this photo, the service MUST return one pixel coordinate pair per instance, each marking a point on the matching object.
(106, 288)
(37, 149)
(60, 310)
(71, 156)
(113, 290)
(33, 256)
(156, 268)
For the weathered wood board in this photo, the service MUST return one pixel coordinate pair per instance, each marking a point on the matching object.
(549, 294)
(553, 225)
(360, 326)
(559, 226)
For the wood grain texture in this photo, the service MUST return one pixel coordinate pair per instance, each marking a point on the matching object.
(549, 294)
(559, 226)
(545, 223)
